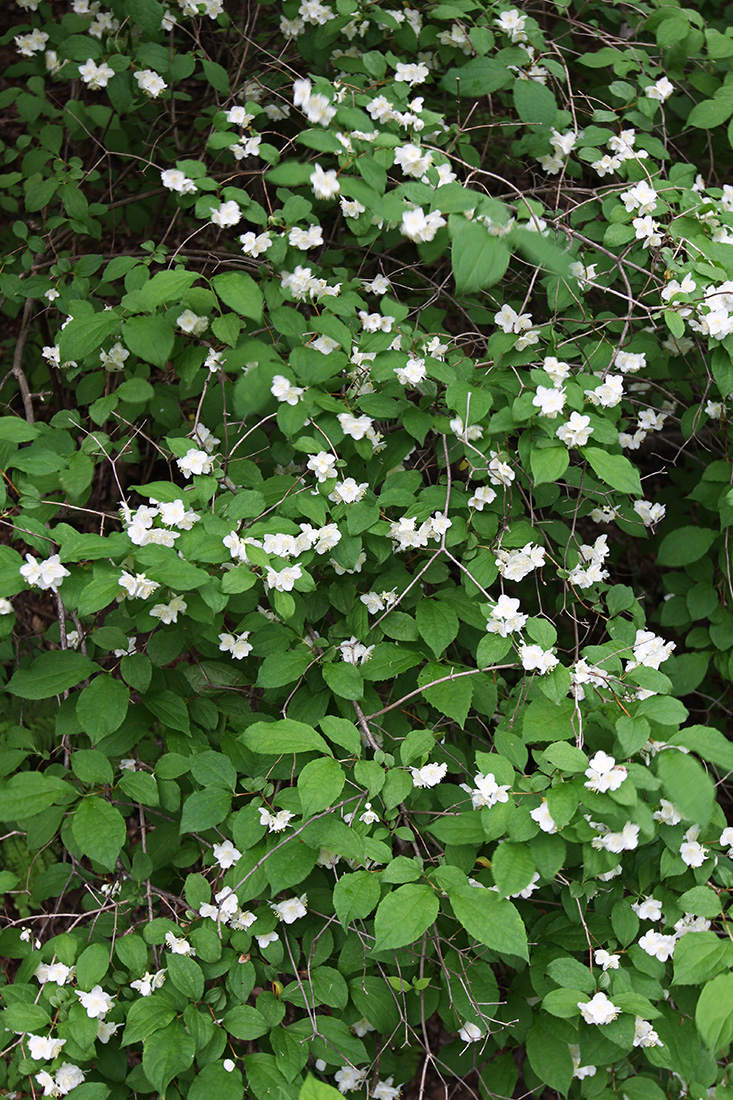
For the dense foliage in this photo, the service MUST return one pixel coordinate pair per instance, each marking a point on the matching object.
(367, 612)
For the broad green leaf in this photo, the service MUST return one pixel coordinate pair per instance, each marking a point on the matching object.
(355, 895)
(313, 1089)
(213, 1080)
(13, 429)
(167, 1053)
(512, 867)
(92, 965)
(478, 77)
(550, 1059)
(714, 1013)
(700, 900)
(403, 916)
(452, 696)
(319, 785)
(535, 103)
(214, 769)
(265, 1079)
(437, 624)
(51, 674)
(687, 785)
(700, 956)
(202, 809)
(147, 14)
(478, 259)
(99, 830)
(342, 733)
(616, 470)
(86, 334)
(150, 338)
(170, 709)
(29, 793)
(280, 669)
(101, 707)
(685, 545)
(343, 679)
(240, 292)
(286, 735)
(548, 464)
(489, 920)
(710, 114)
(186, 975)
(708, 743)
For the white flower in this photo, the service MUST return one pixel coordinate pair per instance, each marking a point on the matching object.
(47, 1083)
(648, 231)
(54, 972)
(95, 76)
(576, 431)
(641, 197)
(609, 393)
(254, 244)
(515, 565)
(506, 617)
(228, 214)
(369, 817)
(541, 814)
(661, 947)
(266, 939)
(470, 1033)
(348, 491)
(411, 73)
(648, 908)
(323, 465)
(650, 650)
(276, 823)
(45, 574)
(325, 184)
(513, 22)
(580, 1072)
(226, 855)
(168, 612)
(661, 91)
(178, 945)
(604, 774)
(487, 791)
(549, 401)
(291, 909)
(195, 462)
(137, 587)
(466, 434)
(356, 426)
(412, 373)
(649, 514)
(691, 851)
(644, 1033)
(96, 1002)
(534, 657)
(353, 652)
(150, 83)
(149, 982)
(598, 1010)
(105, 1030)
(429, 775)
(192, 323)
(625, 841)
(284, 580)
(667, 814)
(238, 646)
(413, 160)
(303, 239)
(283, 389)
(44, 1048)
(228, 1065)
(483, 495)
(606, 960)
(68, 1077)
(419, 226)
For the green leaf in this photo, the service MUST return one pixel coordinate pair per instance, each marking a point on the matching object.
(144, 1016)
(491, 921)
(700, 900)
(548, 464)
(13, 429)
(512, 867)
(186, 975)
(437, 624)
(86, 334)
(171, 710)
(566, 757)
(147, 14)
(214, 769)
(240, 292)
(478, 259)
(140, 787)
(452, 697)
(615, 470)
(101, 707)
(708, 743)
(564, 1002)
(550, 1059)
(150, 338)
(319, 785)
(685, 545)
(203, 809)
(92, 965)
(24, 1017)
(342, 733)
(479, 77)
(213, 1080)
(167, 1053)
(29, 793)
(355, 895)
(312, 1089)
(265, 1079)
(217, 76)
(165, 288)
(714, 1013)
(710, 114)
(687, 785)
(99, 830)
(403, 916)
(285, 735)
(700, 956)
(343, 679)
(535, 104)
(51, 674)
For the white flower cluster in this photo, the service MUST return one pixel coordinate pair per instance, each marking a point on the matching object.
(519, 324)
(321, 539)
(48, 574)
(303, 284)
(515, 565)
(238, 645)
(622, 148)
(66, 1078)
(147, 985)
(227, 911)
(505, 618)
(604, 774)
(139, 524)
(589, 569)
(406, 535)
(379, 601)
(354, 652)
(486, 791)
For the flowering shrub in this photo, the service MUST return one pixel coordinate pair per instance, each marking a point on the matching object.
(366, 508)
